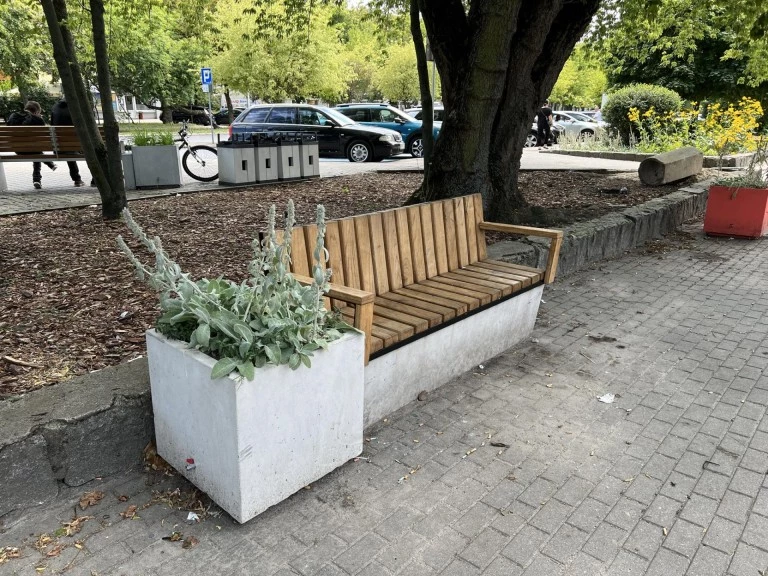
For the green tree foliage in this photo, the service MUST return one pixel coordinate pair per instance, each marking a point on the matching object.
(398, 79)
(25, 49)
(273, 65)
(581, 83)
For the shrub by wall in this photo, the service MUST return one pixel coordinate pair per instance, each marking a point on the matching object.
(640, 96)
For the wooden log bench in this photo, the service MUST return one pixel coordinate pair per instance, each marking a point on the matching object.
(418, 281)
(38, 144)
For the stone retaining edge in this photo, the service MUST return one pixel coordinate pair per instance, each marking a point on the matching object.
(98, 424)
(734, 161)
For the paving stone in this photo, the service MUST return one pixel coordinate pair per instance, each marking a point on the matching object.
(502, 566)
(699, 510)
(360, 553)
(443, 548)
(605, 542)
(748, 560)
(756, 531)
(523, 546)
(645, 540)
(627, 564)
(684, 538)
(708, 562)
(667, 563)
(746, 482)
(626, 514)
(565, 543)
(723, 535)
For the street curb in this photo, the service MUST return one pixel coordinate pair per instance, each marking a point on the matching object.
(97, 425)
(731, 161)
(611, 235)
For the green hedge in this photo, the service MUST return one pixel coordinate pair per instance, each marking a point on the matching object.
(10, 103)
(642, 97)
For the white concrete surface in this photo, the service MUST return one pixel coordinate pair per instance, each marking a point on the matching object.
(254, 443)
(309, 156)
(395, 379)
(156, 166)
(288, 163)
(237, 165)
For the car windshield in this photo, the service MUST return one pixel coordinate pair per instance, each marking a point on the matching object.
(581, 117)
(404, 116)
(337, 117)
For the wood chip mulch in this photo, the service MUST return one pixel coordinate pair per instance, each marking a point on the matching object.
(70, 304)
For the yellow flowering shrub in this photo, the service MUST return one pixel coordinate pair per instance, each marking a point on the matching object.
(725, 130)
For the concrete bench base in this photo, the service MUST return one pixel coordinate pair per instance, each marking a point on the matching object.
(396, 378)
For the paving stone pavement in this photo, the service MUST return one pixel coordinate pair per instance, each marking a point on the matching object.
(669, 479)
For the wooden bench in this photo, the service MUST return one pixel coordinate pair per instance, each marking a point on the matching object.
(417, 280)
(38, 144)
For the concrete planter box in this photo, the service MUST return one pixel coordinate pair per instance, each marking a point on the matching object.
(128, 175)
(156, 166)
(254, 443)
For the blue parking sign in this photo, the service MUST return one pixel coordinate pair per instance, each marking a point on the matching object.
(205, 76)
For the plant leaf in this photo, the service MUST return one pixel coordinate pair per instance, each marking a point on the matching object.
(247, 370)
(222, 368)
(203, 335)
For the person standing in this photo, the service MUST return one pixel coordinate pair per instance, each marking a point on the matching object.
(543, 123)
(61, 116)
(35, 118)
(598, 114)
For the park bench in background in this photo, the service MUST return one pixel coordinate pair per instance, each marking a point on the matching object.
(38, 144)
(418, 282)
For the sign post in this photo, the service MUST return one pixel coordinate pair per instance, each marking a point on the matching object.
(206, 79)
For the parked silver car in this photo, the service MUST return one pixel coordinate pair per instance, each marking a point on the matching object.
(576, 123)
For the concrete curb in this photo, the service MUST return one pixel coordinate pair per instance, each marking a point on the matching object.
(734, 161)
(611, 235)
(97, 425)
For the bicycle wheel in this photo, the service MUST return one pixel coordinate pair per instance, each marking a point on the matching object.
(201, 163)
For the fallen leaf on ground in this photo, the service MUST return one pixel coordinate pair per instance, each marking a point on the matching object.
(74, 525)
(190, 542)
(91, 499)
(129, 513)
(122, 498)
(55, 551)
(174, 537)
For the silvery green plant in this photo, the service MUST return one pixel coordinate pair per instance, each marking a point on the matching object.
(268, 319)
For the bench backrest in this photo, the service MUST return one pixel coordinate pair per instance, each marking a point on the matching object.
(387, 250)
(30, 139)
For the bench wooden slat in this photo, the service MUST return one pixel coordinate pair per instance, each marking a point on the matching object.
(444, 312)
(469, 272)
(461, 231)
(482, 251)
(299, 262)
(451, 244)
(482, 266)
(310, 239)
(505, 289)
(432, 297)
(392, 249)
(438, 230)
(471, 224)
(378, 250)
(519, 267)
(349, 253)
(333, 245)
(431, 318)
(485, 293)
(427, 232)
(387, 336)
(404, 245)
(364, 254)
(436, 289)
(418, 323)
(416, 243)
(456, 286)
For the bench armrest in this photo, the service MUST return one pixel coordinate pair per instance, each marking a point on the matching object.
(556, 237)
(363, 302)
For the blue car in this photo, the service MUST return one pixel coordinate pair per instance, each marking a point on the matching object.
(386, 116)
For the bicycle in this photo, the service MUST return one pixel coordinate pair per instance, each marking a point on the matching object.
(201, 162)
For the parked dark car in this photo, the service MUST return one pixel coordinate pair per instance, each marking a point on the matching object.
(386, 116)
(337, 135)
(222, 116)
(438, 112)
(193, 114)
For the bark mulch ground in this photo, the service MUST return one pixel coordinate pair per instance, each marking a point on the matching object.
(69, 303)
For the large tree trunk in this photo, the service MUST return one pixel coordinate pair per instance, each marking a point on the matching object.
(497, 63)
(77, 99)
(427, 114)
(108, 152)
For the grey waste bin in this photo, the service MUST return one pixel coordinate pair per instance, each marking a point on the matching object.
(237, 162)
(288, 166)
(266, 160)
(309, 153)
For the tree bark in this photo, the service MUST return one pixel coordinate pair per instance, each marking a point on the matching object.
(427, 115)
(497, 63)
(113, 200)
(230, 110)
(77, 99)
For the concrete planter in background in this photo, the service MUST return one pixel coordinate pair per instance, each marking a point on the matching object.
(251, 444)
(156, 166)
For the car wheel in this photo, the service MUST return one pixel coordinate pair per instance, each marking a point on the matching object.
(416, 147)
(532, 140)
(586, 134)
(359, 152)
